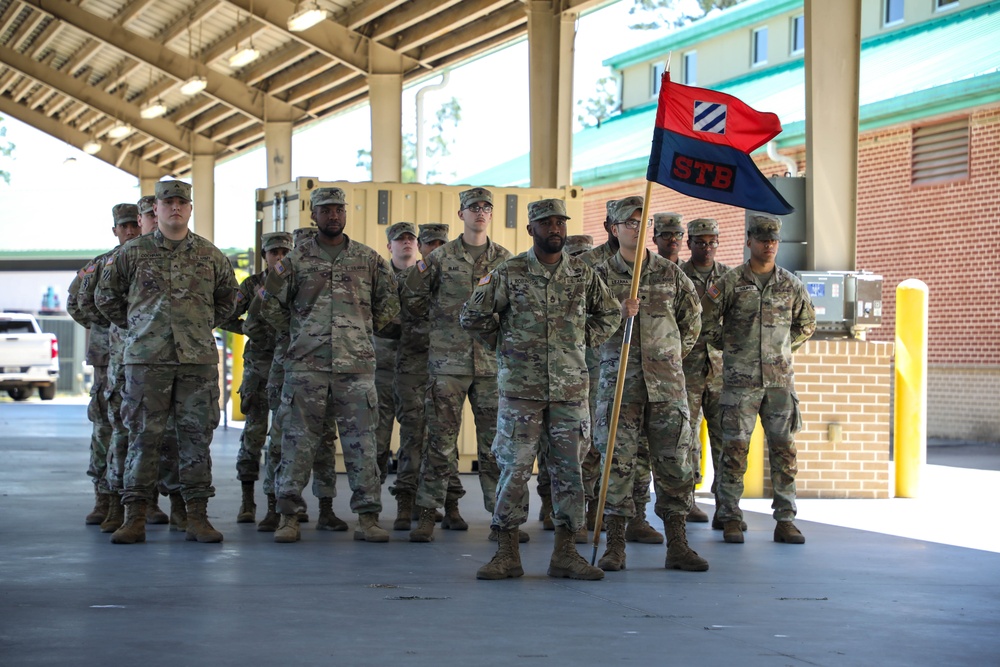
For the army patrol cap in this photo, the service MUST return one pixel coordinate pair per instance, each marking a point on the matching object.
(146, 204)
(125, 213)
(168, 189)
(400, 228)
(625, 207)
(703, 227)
(469, 197)
(667, 222)
(324, 196)
(276, 240)
(579, 243)
(302, 234)
(537, 210)
(764, 227)
(433, 231)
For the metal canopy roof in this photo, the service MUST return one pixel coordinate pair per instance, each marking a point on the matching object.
(77, 68)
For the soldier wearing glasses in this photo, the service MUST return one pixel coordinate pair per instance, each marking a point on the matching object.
(668, 232)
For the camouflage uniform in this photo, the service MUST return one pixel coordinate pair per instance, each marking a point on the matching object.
(758, 327)
(559, 315)
(654, 403)
(330, 311)
(168, 296)
(458, 364)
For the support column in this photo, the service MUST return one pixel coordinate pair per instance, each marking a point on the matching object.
(551, 35)
(832, 60)
(385, 95)
(278, 146)
(203, 192)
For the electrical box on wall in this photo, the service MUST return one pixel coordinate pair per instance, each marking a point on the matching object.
(847, 303)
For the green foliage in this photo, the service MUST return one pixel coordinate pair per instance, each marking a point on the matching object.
(655, 12)
(602, 105)
(6, 150)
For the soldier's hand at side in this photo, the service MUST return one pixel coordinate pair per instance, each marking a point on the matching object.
(630, 308)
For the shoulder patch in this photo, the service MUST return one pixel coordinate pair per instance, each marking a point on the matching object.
(239, 297)
(261, 293)
(421, 266)
(280, 268)
(90, 268)
(110, 260)
(485, 280)
(713, 291)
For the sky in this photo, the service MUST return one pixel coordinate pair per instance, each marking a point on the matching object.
(492, 91)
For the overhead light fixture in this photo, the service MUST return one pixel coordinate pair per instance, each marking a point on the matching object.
(244, 56)
(153, 110)
(307, 17)
(194, 85)
(91, 147)
(119, 130)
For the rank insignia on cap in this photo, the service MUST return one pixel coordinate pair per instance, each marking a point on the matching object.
(485, 280)
(421, 267)
(713, 291)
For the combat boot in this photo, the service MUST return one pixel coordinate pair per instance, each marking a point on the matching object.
(717, 523)
(198, 526)
(270, 521)
(522, 536)
(327, 519)
(248, 508)
(567, 563)
(697, 514)
(100, 511)
(288, 529)
(178, 513)
(404, 508)
(116, 515)
(679, 555)
(303, 512)
(581, 536)
(368, 529)
(786, 532)
(415, 514)
(452, 519)
(613, 559)
(134, 527)
(639, 530)
(154, 515)
(506, 563)
(592, 515)
(424, 532)
(545, 514)
(732, 532)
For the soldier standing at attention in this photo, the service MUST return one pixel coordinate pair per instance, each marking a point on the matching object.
(760, 314)
(665, 325)
(703, 366)
(541, 311)
(125, 228)
(667, 235)
(331, 294)
(256, 366)
(458, 364)
(402, 247)
(168, 290)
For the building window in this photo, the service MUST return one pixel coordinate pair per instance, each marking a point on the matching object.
(691, 68)
(940, 152)
(798, 40)
(758, 56)
(892, 12)
(945, 4)
(658, 69)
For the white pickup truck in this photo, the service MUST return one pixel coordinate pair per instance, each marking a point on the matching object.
(28, 357)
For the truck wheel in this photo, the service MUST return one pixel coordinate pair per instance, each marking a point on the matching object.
(18, 393)
(47, 392)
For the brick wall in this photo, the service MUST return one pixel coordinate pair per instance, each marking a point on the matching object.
(963, 402)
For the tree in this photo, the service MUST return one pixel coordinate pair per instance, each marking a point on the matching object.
(602, 105)
(6, 149)
(661, 13)
(438, 144)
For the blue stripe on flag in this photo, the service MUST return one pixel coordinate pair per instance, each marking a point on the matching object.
(709, 117)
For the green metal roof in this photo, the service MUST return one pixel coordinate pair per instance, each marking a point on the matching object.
(934, 67)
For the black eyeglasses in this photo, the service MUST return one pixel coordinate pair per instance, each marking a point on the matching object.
(705, 244)
(487, 208)
(671, 235)
(630, 224)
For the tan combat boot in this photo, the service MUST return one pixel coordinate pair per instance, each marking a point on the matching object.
(134, 528)
(506, 563)
(697, 515)
(404, 508)
(248, 508)
(270, 521)
(732, 532)
(198, 526)
(116, 515)
(679, 555)
(328, 520)
(545, 514)
(288, 529)
(154, 515)
(639, 530)
(178, 513)
(100, 511)
(567, 563)
(786, 532)
(368, 529)
(717, 522)
(303, 512)
(424, 532)
(415, 514)
(452, 519)
(522, 536)
(613, 559)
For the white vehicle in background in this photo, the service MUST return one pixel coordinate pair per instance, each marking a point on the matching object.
(28, 357)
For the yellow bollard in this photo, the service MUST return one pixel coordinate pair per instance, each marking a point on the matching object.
(705, 452)
(753, 478)
(236, 342)
(910, 420)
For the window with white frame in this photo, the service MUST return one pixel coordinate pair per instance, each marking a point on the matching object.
(758, 51)
(798, 37)
(945, 4)
(892, 12)
(691, 68)
(658, 69)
